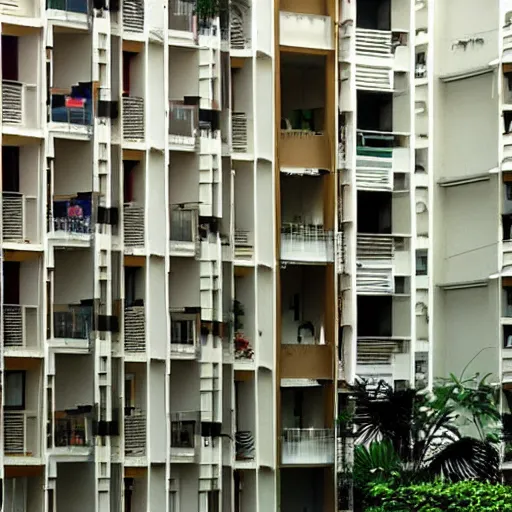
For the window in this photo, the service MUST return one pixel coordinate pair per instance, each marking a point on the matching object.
(182, 332)
(508, 188)
(422, 262)
(15, 390)
(129, 391)
(213, 501)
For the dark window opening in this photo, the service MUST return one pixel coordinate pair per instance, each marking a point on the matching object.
(374, 316)
(11, 284)
(10, 58)
(10, 169)
(374, 213)
(15, 390)
(421, 262)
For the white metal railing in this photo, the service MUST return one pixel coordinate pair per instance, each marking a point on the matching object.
(305, 242)
(133, 118)
(135, 433)
(133, 224)
(183, 124)
(17, 439)
(374, 79)
(12, 216)
(12, 102)
(378, 350)
(374, 43)
(133, 15)
(244, 445)
(14, 320)
(244, 246)
(375, 280)
(238, 39)
(135, 329)
(375, 247)
(307, 446)
(239, 140)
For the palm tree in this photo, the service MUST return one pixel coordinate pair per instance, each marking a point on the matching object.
(423, 433)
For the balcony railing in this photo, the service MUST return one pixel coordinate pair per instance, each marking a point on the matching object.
(183, 225)
(306, 242)
(20, 433)
(72, 429)
(375, 247)
(244, 246)
(135, 329)
(73, 109)
(379, 350)
(12, 102)
(75, 6)
(133, 15)
(16, 319)
(374, 43)
(239, 137)
(378, 280)
(304, 149)
(183, 124)
(244, 445)
(184, 430)
(308, 446)
(72, 218)
(371, 78)
(133, 223)
(72, 321)
(135, 434)
(378, 155)
(181, 15)
(184, 340)
(133, 117)
(13, 215)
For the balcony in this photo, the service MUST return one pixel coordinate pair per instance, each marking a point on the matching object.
(19, 212)
(244, 445)
(375, 255)
(73, 430)
(304, 149)
(306, 30)
(184, 436)
(20, 105)
(183, 232)
(133, 15)
(133, 118)
(243, 351)
(379, 154)
(306, 243)
(183, 126)
(20, 326)
(300, 361)
(135, 329)
(71, 110)
(72, 323)
(244, 245)
(239, 132)
(135, 434)
(375, 44)
(307, 446)
(184, 339)
(133, 225)
(71, 219)
(67, 7)
(21, 433)
(379, 350)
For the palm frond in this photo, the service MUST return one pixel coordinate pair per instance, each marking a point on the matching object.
(466, 459)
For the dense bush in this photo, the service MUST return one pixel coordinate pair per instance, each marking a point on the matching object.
(466, 496)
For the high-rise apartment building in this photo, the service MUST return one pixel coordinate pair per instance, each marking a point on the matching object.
(217, 214)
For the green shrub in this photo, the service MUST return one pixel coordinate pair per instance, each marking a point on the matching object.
(465, 496)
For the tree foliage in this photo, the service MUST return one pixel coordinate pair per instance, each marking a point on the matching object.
(468, 496)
